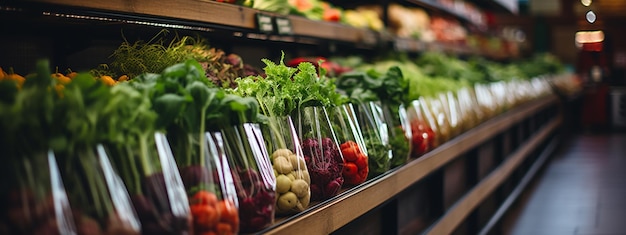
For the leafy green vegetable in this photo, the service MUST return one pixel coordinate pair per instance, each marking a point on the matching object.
(188, 105)
(372, 86)
(153, 56)
(438, 64)
(285, 89)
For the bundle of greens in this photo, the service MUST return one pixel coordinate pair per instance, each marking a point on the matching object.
(65, 120)
(276, 94)
(189, 106)
(392, 89)
(301, 92)
(153, 56)
(27, 196)
(438, 64)
(541, 64)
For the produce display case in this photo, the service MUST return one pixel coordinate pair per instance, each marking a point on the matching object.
(459, 186)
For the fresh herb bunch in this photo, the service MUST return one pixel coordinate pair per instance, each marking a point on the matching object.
(378, 154)
(371, 85)
(153, 56)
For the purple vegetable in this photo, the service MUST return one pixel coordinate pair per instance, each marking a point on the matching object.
(256, 202)
(154, 211)
(194, 175)
(24, 214)
(234, 60)
(86, 225)
(325, 166)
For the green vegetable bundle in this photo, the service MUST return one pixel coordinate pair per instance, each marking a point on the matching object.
(27, 123)
(69, 123)
(391, 89)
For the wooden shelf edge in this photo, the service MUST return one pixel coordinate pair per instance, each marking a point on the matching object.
(521, 186)
(222, 14)
(194, 10)
(346, 207)
(462, 208)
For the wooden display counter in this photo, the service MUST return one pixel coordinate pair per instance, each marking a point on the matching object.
(446, 186)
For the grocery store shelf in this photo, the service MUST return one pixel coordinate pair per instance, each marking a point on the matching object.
(239, 21)
(331, 215)
(205, 14)
(456, 215)
(434, 5)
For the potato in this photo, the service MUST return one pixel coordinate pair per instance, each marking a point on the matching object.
(291, 176)
(283, 184)
(282, 165)
(300, 188)
(305, 200)
(281, 153)
(293, 159)
(304, 175)
(287, 201)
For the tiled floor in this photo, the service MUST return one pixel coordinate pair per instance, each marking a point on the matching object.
(581, 191)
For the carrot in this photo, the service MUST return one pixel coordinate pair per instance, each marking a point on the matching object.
(2, 74)
(13, 76)
(61, 78)
(123, 78)
(71, 75)
(107, 80)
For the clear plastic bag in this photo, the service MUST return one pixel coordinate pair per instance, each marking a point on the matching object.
(433, 107)
(424, 137)
(376, 136)
(210, 189)
(34, 197)
(467, 109)
(352, 146)
(500, 96)
(253, 175)
(486, 101)
(448, 106)
(321, 152)
(154, 184)
(99, 200)
(292, 176)
(400, 135)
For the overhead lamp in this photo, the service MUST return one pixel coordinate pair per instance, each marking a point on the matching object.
(586, 2)
(589, 36)
(591, 17)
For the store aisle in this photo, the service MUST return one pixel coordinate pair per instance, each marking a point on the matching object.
(581, 191)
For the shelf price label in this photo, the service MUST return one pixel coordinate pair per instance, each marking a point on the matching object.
(283, 26)
(264, 23)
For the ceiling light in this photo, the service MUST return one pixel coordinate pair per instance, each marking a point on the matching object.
(585, 2)
(591, 17)
(589, 36)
